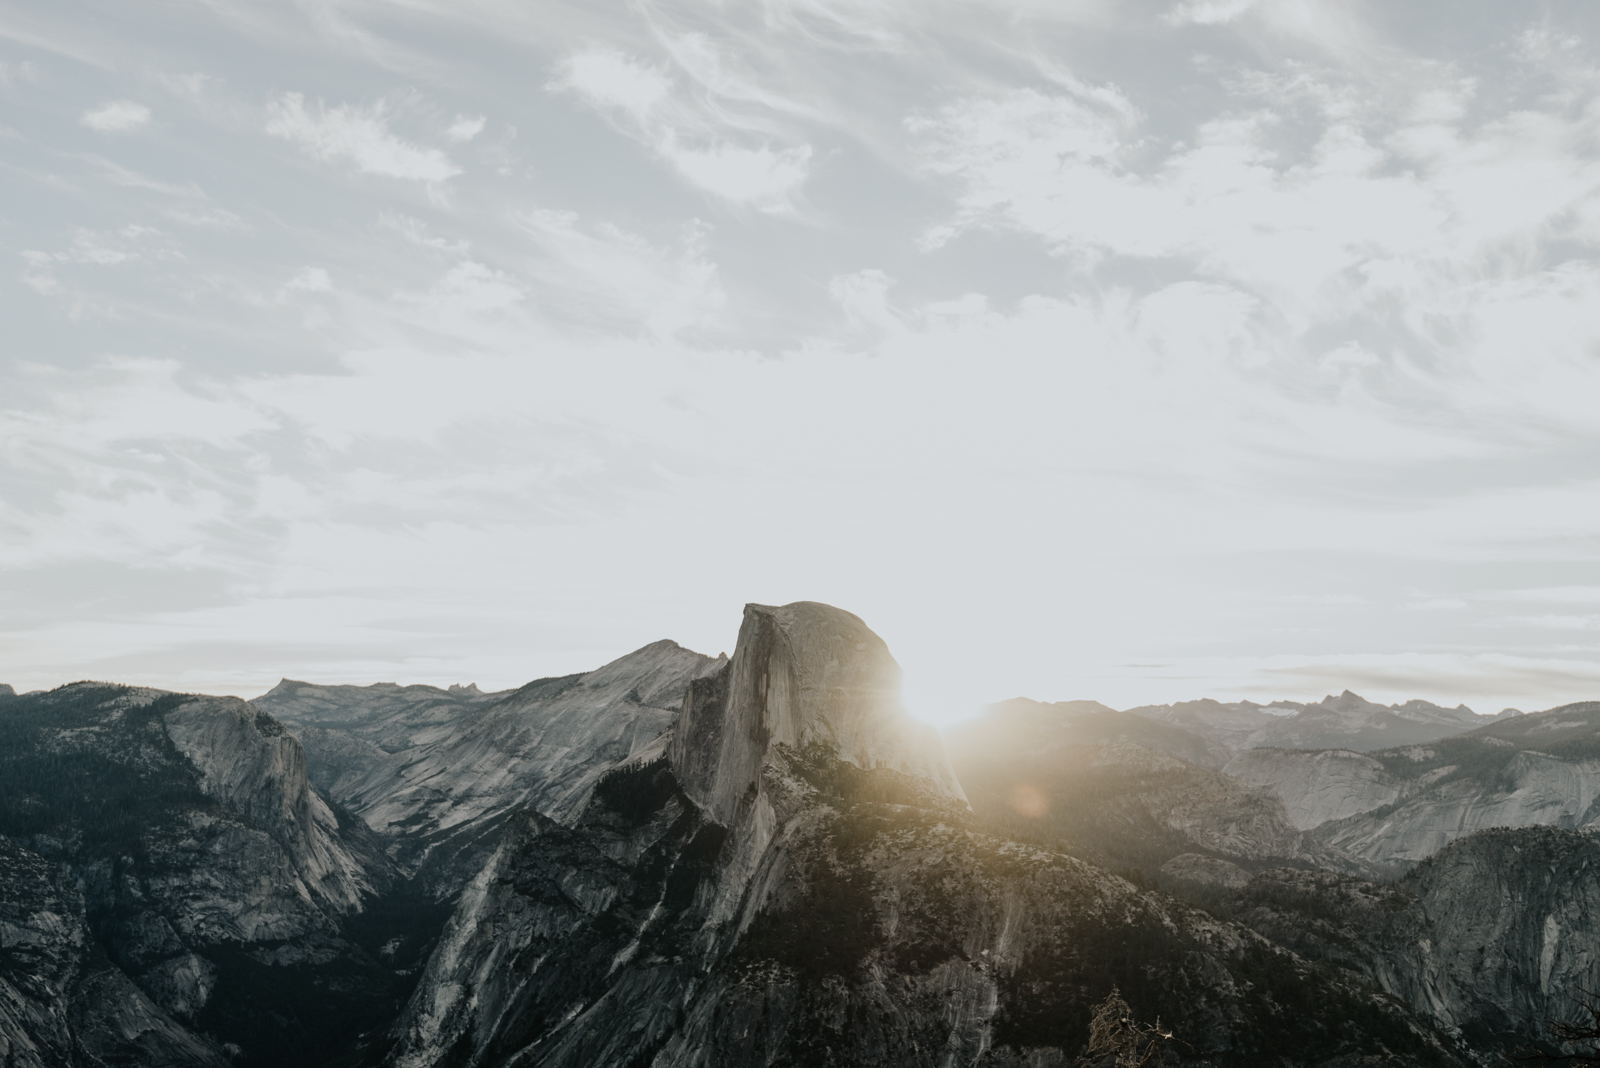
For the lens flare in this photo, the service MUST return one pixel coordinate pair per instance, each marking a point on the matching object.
(1029, 801)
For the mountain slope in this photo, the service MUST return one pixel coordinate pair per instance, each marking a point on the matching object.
(1396, 807)
(60, 1002)
(1347, 721)
(211, 875)
(466, 760)
(1493, 936)
(792, 876)
(1075, 782)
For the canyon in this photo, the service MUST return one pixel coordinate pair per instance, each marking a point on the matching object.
(763, 859)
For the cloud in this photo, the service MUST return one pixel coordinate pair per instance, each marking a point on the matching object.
(209, 218)
(1400, 234)
(357, 135)
(713, 132)
(759, 177)
(311, 280)
(611, 79)
(116, 116)
(12, 73)
(1207, 12)
(601, 272)
(465, 129)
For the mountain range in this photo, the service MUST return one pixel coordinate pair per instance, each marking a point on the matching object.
(761, 859)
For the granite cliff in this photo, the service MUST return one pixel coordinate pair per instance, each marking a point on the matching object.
(1492, 937)
(1396, 807)
(195, 879)
(676, 860)
(436, 771)
(792, 875)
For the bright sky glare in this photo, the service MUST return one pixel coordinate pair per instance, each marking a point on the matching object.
(1139, 350)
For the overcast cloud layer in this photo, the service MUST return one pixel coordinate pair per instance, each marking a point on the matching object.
(1135, 351)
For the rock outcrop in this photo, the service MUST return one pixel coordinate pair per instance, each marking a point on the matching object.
(1317, 786)
(435, 771)
(392, 718)
(1347, 721)
(1394, 808)
(218, 890)
(62, 1004)
(1493, 937)
(792, 876)
(804, 674)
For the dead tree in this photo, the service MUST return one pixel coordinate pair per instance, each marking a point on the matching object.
(1117, 1040)
(1585, 1036)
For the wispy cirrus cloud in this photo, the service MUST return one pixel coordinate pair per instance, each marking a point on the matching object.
(350, 133)
(692, 128)
(465, 128)
(116, 116)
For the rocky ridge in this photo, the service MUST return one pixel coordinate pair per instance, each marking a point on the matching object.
(208, 875)
(1396, 807)
(676, 860)
(1092, 783)
(1346, 721)
(793, 876)
(436, 771)
(1493, 937)
(60, 1002)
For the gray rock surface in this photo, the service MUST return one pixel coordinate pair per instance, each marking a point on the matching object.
(435, 771)
(59, 1005)
(1346, 721)
(390, 717)
(1199, 870)
(1493, 937)
(200, 860)
(779, 884)
(1318, 785)
(1396, 807)
(803, 674)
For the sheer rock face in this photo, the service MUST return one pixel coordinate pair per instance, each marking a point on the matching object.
(462, 761)
(803, 674)
(58, 1004)
(1394, 808)
(1317, 785)
(201, 861)
(792, 876)
(1493, 937)
(252, 765)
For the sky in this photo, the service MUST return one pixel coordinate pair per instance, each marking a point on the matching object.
(1136, 351)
